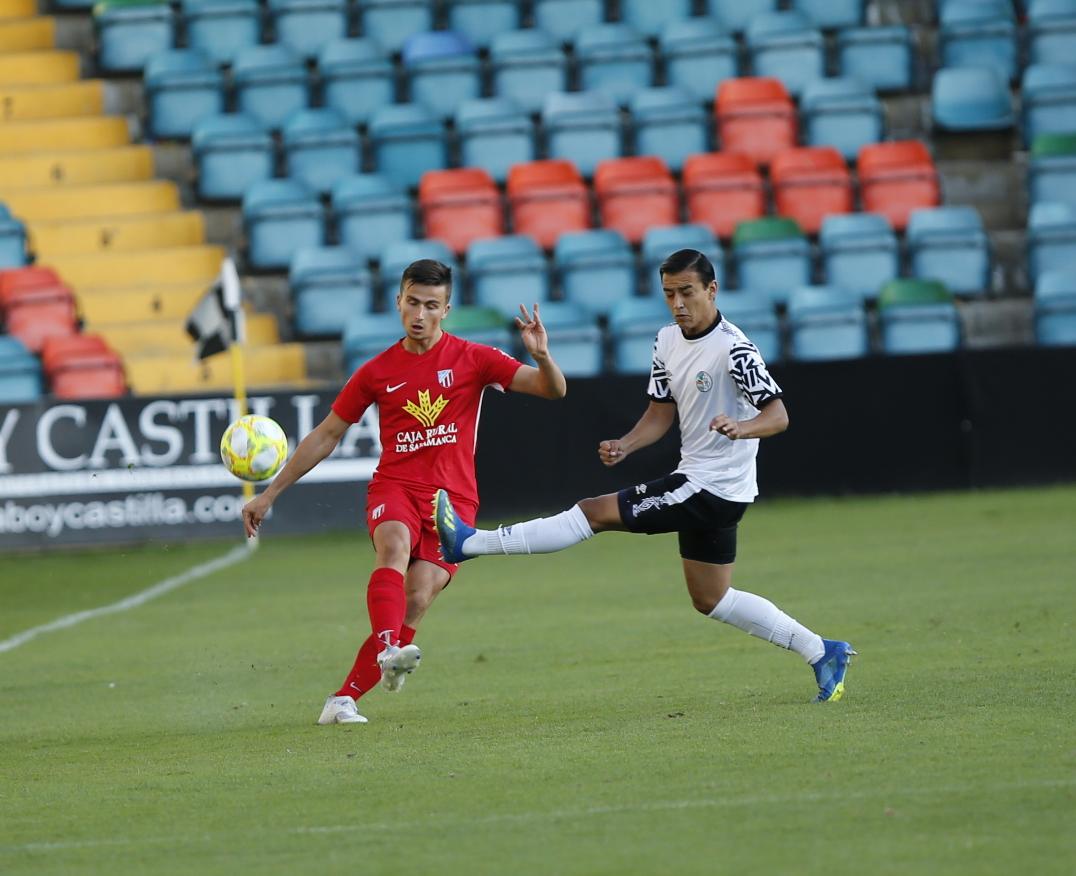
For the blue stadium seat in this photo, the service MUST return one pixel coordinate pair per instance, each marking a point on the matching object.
(397, 256)
(670, 123)
(1055, 308)
(698, 54)
(1051, 239)
(583, 128)
(843, 113)
(527, 66)
(752, 313)
(613, 59)
(880, 57)
(281, 217)
(305, 26)
(1052, 170)
(407, 141)
(978, 33)
(270, 84)
(222, 28)
(736, 15)
(329, 284)
(633, 326)
(320, 147)
(785, 46)
(576, 337)
(367, 334)
(661, 242)
(596, 269)
(1048, 100)
(357, 78)
(859, 252)
(832, 14)
(494, 133)
(1051, 31)
(443, 71)
(20, 373)
(182, 86)
(481, 21)
(231, 152)
(650, 18)
(506, 272)
(371, 212)
(949, 244)
(772, 265)
(390, 22)
(971, 99)
(925, 321)
(826, 322)
(563, 19)
(129, 34)
(12, 240)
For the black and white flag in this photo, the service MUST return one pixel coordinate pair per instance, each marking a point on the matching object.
(217, 320)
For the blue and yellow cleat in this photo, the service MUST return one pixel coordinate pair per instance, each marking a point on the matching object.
(451, 529)
(831, 669)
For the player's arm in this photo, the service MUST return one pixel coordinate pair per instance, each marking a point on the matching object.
(311, 450)
(771, 420)
(656, 420)
(546, 380)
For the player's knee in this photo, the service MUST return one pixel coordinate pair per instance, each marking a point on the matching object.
(593, 511)
(703, 604)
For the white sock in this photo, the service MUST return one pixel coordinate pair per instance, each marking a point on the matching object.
(760, 617)
(541, 536)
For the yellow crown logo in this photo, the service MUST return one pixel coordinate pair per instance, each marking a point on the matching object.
(426, 412)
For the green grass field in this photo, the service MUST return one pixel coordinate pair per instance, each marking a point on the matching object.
(572, 713)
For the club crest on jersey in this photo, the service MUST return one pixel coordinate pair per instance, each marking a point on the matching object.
(426, 412)
(445, 378)
(704, 382)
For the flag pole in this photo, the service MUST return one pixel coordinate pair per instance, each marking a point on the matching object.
(233, 302)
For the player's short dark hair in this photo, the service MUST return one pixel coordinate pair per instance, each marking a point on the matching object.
(427, 272)
(689, 260)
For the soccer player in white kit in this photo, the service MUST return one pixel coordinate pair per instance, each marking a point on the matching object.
(706, 371)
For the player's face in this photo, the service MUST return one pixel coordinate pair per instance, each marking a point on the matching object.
(690, 302)
(421, 310)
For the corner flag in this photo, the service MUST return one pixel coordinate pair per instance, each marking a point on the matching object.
(216, 323)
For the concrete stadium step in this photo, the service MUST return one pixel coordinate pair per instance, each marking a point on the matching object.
(84, 202)
(91, 132)
(50, 240)
(86, 167)
(996, 189)
(23, 103)
(1000, 322)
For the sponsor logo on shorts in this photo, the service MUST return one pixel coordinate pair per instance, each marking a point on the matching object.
(651, 502)
(704, 382)
(640, 489)
(378, 511)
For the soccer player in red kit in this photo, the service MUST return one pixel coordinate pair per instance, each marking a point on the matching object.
(428, 390)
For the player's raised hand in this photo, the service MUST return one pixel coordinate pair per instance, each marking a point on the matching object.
(254, 513)
(611, 452)
(531, 330)
(723, 424)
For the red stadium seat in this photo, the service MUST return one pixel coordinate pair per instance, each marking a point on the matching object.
(13, 281)
(83, 366)
(36, 306)
(635, 194)
(460, 206)
(810, 183)
(755, 116)
(722, 189)
(546, 199)
(897, 177)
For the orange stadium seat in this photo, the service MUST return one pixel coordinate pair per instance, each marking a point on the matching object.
(546, 199)
(723, 189)
(810, 183)
(83, 366)
(36, 306)
(755, 116)
(460, 206)
(635, 194)
(897, 177)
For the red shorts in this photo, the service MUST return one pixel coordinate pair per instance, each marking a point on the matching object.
(414, 509)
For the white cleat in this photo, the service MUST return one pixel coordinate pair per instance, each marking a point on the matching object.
(341, 710)
(396, 664)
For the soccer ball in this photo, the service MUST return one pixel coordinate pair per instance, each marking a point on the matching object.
(253, 448)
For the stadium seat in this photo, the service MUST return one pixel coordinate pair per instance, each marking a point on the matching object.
(1051, 239)
(1051, 31)
(443, 71)
(756, 117)
(505, 272)
(232, 153)
(328, 285)
(1052, 171)
(526, 66)
(575, 336)
(949, 244)
(546, 199)
(12, 240)
(596, 269)
(36, 306)
(662, 241)
(397, 256)
(698, 54)
(222, 28)
(879, 57)
(407, 141)
(370, 213)
(633, 326)
(752, 313)
(130, 32)
(267, 367)
(1055, 308)
(649, 18)
(784, 46)
(38, 68)
(832, 14)
(305, 26)
(76, 167)
(116, 234)
(971, 99)
(563, 19)
(811, 183)
(357, 78)
(613, 59)
(58, 100)
(722, 189)
(826, 322)
(897, 177)
(481, 21)
(634, 194)
(669, 123)
(460, 206)
(736, 15)
(773, 256)
(978, 33)
(859, 253)
(367, 334)
(390, 22)
(20, 373)
(320, 147)
(842, 113)
(85, 202)
(483, 325)
(583, 127)
(270, 84)
(50, 135)
(182, 87)
(1048, 100)
(83, 367)
(918, 316)
(281, 217)
(494, 134)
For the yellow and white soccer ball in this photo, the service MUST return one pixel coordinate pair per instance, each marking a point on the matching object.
(254, 448)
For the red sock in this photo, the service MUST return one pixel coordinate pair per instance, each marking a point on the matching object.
(365, 674)
(386, 602)
(407, 635)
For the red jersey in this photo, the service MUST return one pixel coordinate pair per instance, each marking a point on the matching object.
(428, 406)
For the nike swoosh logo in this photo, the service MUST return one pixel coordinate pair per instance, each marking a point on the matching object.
(396, 387)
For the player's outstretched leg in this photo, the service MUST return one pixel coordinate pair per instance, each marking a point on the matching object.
(340, 710)
(452, 530)
(829, 672)
(396, 664)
